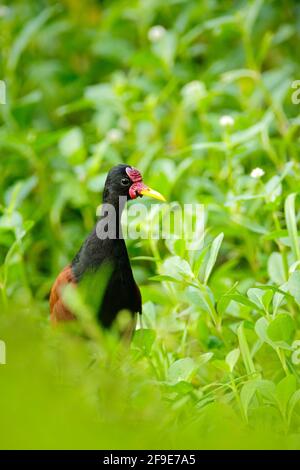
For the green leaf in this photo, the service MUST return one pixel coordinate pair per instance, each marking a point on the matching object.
(284, 391)
(71, 145)
(275, 235)
(247, 393)
(203, 298)
(149, 315)
(252, 13)
(276, 268)
(265, 387)
(261, 327)
(241, 299)
(178, 268)
(165, 48)
(244, 348)
(260, 298)
(27, 33)
(143, 340)
(215, 247)
(181, 387)
(290, 217)
(293, 286)
(282, 328)
(204, 358)
(16, 194)
(273, 188)
(182, 370)
(221, 365)
(199, 261)
(232, 358)
(279, 298)
(295, 398)
(163, 278)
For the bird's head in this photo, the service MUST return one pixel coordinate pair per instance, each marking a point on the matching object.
(124, 180)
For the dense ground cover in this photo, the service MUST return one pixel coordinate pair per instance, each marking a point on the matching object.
(196, 94)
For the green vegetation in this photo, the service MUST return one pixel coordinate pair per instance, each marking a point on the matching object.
(90, 84)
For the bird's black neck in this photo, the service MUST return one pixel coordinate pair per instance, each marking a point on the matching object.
(109, 222)
(105, 242)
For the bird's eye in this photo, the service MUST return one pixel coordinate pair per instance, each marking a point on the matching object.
(125, 182)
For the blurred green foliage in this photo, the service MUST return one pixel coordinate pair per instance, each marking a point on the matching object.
(196, 94)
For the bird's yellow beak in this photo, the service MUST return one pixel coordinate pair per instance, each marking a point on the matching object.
(152, 193)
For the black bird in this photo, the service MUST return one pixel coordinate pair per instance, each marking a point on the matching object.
(105, 245)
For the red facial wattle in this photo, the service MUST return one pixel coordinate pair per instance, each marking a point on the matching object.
(138, 188)
(137, 180)
(134, 174)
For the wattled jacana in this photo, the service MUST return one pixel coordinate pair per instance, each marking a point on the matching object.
(121, 291)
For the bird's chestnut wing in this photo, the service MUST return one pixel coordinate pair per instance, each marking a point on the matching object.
(58, 311)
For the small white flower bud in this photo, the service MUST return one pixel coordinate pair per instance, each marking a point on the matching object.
(194, 90)
(226, 121)
(156, 33)
(257, 173)
(114, 135)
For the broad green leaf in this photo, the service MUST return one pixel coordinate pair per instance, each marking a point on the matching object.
(143, 340)
(199, 261)
(284, 391)
(265, 387)
(276, 269)
(260, 297)
(204, 358)
(182, 370)
(182, 387)
(203, 298)
(232, 358)
(279, 298)
(220, 364)
(247, 393)
(294, 266)
(261, 329)
(177, 268)
(282, 328)
(149, 315)
(241, 299)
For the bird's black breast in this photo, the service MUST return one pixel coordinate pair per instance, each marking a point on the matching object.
(121, 291)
